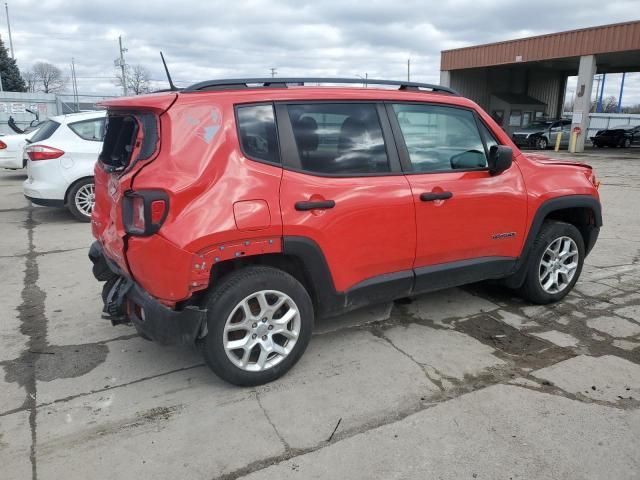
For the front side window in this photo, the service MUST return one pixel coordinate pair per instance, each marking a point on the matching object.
(89, 129)
(258, 134)
(339, 139)
(440, 138)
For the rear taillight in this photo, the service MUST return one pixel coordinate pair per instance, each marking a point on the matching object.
(2, 145)
(42, 152)
(144, 211)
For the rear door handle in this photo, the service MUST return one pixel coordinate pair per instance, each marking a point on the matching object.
(319, 205)
(431, 196)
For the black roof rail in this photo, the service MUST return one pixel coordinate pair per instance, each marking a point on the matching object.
(239, 83)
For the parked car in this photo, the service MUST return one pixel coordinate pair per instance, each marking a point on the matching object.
(543, 134)
(61, 158)
(232, 214)
(11, 149)
(621, 136)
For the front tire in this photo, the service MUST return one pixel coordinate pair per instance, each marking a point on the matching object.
(554, 264)
(81, 199)
(259, 323)
(542, 143)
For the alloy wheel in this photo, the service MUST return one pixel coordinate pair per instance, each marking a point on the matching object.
(558, 265)
(261, 330)
(85, 199)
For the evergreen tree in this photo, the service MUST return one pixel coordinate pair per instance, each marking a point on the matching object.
(11, 79)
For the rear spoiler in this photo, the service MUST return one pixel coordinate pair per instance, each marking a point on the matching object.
(155, 102)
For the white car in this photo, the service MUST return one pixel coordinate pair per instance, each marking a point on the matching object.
(61, 158)
(11, 147)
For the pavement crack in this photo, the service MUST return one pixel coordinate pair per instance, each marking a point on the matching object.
(436, 381)
(286, 445)
(33, 325)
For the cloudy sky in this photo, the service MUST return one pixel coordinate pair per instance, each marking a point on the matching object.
(204, 39)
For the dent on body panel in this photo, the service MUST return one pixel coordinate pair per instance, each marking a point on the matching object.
(192, 135)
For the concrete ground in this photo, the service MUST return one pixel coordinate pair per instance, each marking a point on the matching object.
(465, 383)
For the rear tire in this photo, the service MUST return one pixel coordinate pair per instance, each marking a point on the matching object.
(81, 199)
(259, 323)
(554, 263)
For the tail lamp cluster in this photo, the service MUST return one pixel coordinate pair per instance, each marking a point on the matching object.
(43, 152)
(144, 211)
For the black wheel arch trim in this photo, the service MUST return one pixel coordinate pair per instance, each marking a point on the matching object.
(547, 208)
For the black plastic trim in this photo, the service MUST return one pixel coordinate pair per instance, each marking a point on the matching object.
(148, 197)
(46, 202)
(446, 275)
(160, 323)
(270, 82)
(432, 196)
(550, 206)
(319, 205)
(391, 286)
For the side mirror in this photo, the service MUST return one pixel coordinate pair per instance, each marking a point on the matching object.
(500, 159)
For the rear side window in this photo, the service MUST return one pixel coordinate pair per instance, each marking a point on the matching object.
(441, 138)
(89, 129)
(257, 131)
(45, 131)
(339, 139)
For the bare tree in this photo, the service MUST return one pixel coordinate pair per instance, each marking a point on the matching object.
(610, 104)
(48, 78)
(137, 78)
(30, 80)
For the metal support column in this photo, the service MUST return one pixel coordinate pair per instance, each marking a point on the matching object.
(582, 106)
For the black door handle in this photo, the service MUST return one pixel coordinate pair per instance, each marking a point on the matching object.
(431, 196)
(319, 205)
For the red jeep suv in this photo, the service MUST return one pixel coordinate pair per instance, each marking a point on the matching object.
(233, 213)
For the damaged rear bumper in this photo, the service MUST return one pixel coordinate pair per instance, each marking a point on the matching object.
(128, 302)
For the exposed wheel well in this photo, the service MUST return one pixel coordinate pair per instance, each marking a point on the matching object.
(75, 182)
(294, 266)
(583, 218)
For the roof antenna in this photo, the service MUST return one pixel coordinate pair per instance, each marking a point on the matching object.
(172, 87)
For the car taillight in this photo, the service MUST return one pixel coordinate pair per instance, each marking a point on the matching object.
(42, 152)
(144, 211)
(2, 145)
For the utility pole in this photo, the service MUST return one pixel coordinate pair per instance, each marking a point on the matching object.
(598, 77)
(6, 7)
(273, 72)
(408, 69)
(123, 67)
(74, 83)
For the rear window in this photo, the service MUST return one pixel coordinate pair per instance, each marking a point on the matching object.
(121, 135)
(92, 130)
(45, 131)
